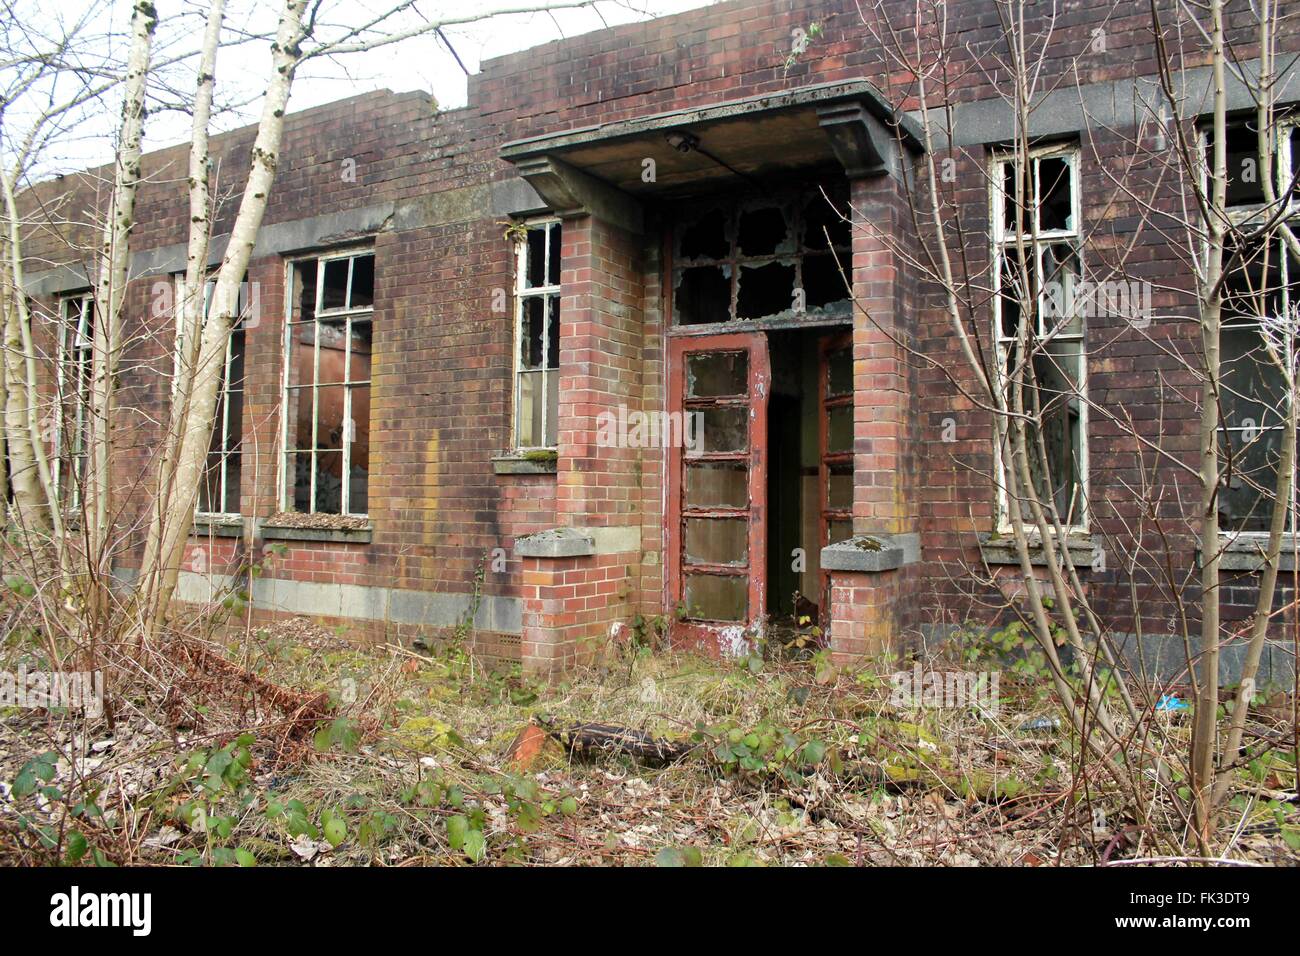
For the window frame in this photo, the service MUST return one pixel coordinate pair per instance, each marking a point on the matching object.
(284, 491)
(69, 341)
(522, 293)
(1004, 240)
(223, 395)
(1224, 429)
(1244, 214)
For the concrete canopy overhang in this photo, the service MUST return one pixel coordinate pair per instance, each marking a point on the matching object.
(607, 168)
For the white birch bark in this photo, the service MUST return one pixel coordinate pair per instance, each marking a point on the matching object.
(110, 291)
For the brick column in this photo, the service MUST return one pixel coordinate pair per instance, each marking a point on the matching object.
(870, 573)
(582, 579)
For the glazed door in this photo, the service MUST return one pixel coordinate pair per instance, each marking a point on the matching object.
(835, 443)
(717, 488)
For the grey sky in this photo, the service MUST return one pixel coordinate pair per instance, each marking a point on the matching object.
(421, 63)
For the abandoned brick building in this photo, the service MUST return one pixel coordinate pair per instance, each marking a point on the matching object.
(475, 335)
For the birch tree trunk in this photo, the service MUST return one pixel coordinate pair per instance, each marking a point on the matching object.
(1211, 294)
(177, 509)
(24, 481)
(110, 292)
(190, 304)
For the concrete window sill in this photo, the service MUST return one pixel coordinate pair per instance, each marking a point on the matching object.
(218, 526)
(1001, 549)
(526, 464)
(361, 534)
(1245, 552)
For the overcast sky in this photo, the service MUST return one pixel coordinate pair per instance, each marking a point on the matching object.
(420, 63)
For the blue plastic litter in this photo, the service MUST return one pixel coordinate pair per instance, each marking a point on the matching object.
(1170, 703)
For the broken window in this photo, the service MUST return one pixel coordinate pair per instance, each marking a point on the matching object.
(77, 340)
(537, 345)
(1246, 166)
(776, 257)
(1038, 273)
(327, 386)
(1261, 288)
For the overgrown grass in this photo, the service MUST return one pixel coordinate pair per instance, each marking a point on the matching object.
(795, 763)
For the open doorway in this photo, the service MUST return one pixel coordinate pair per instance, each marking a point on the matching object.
(768, 484)
(810, 467)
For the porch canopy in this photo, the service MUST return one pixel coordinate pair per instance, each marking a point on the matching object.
(604, 169)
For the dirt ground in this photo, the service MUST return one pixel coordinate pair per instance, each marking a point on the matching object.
(312, 750)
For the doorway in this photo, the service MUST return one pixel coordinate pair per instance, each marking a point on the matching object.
(766, 483)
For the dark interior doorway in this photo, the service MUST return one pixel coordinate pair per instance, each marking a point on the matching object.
(805, 465)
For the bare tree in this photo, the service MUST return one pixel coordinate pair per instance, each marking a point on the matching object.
(1018, 316)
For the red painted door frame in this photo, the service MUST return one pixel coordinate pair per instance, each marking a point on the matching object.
(711, 635)
(826, 459)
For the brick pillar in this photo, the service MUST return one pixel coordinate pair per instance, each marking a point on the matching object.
(581, 579)
(870, 573)
(863, 614)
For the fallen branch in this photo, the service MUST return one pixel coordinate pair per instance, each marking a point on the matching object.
(589, 739)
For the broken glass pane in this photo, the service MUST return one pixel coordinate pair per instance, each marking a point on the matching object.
(1245, 188)
(714, 597)
(1060, 409)
(299, 412)
(1252, 287)
(1013, 291)
(535, 259)
(552, 386)
(713, 374)
(210, 487)
(236, 370)
(763, 232)
(717, 484)
(1055, 191)
(823, 282)
(300, 480)
(703, 295)
(334, 295)
(553, 263)
(553, 332)
(363, 282)
(765, 290)
(717, 541)
(1015, 204)
(359, 470)
(1294, 172)
(821, 218)
(705, 238)
(306, 282)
